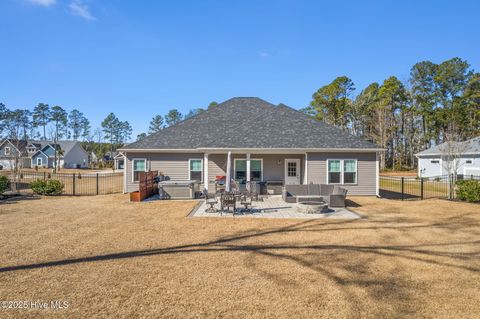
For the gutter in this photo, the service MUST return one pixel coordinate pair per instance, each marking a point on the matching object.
(253, 150)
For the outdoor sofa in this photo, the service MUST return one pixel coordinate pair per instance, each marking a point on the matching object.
(332, 194)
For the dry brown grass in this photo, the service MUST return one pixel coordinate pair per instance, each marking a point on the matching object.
(112, 258)
(412, 173)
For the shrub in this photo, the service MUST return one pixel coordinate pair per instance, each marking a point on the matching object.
(4, 183)
(468, 190)
(47, 187)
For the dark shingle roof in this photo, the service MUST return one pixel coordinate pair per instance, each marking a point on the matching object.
(250, 123)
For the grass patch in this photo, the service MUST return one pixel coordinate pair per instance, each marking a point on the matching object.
(109, 257)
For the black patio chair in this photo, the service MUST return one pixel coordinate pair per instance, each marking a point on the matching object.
(210, 200)
(228, 200)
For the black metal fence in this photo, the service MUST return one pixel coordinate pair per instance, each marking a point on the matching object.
(75, 183)
(411, 188)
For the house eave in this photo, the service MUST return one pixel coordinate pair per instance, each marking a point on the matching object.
(213, 150)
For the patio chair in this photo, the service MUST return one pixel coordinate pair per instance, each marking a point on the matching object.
(246, 200)
(228, 200)
(252, 190)
(210, 200)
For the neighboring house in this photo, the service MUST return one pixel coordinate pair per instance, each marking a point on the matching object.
(269, 143)
(119, 161)
(445, 158)
(12, 151)
(70, 154)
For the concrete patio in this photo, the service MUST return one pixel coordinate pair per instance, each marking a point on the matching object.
(273, 207)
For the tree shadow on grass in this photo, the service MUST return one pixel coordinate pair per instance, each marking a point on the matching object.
(350, 267)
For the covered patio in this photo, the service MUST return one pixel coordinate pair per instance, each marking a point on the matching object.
(267, 167)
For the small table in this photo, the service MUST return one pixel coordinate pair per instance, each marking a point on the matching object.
(312, 207)
(308, 198)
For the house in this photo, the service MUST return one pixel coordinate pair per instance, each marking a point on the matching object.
(13, 152)
(70, 154)
(119, 161)
(446, 158)
(273, 144)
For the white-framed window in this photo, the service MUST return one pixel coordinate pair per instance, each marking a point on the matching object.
(256, 169)
(435, 161)
(195, 169)
(7, 150)
(469, 162)
(39, 161)
(342, 171)
(138, 165)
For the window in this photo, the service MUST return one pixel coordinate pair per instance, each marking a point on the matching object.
(138, 165)
(435, 161)
(7, 150)
(468, 162)
(256, 169)
(195, 169)
(39, 161)
(30, 150)
(292, 169)
(334, 172)
(342, 171)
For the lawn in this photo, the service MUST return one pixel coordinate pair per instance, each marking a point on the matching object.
(392, 188)
(111, 258)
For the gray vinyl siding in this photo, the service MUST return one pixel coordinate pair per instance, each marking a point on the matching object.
(173, 166)
(366, 171)
(76, 156)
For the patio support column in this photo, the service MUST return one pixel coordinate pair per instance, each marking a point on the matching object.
(205, 171)
(248, 167)
(305, 170)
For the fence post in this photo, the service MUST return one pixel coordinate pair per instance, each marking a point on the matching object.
(421, 188)
(44, 175)
(403, 184)
(73, 184)
(97, 183)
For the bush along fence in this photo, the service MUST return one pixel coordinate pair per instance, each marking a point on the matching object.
(412, 188)
(75, 183)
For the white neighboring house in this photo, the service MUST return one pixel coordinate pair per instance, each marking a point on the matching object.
(119, 161)
(444, 158)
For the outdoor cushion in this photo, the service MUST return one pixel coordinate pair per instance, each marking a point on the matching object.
(326, 190)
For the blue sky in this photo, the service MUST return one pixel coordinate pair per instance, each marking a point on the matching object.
(140, 58)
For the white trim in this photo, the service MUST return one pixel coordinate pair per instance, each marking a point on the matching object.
(41, 161)
(244, 159)
(125, 178)
(133, 161)
(120, 154)
(201, 165)
(205, 171)
(285, 169)
(305, 173)
(248, 167)
(342, 161)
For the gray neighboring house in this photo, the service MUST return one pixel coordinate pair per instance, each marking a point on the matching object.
(274, 144)
(42, 154)
(435, 161)
(11, 149)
